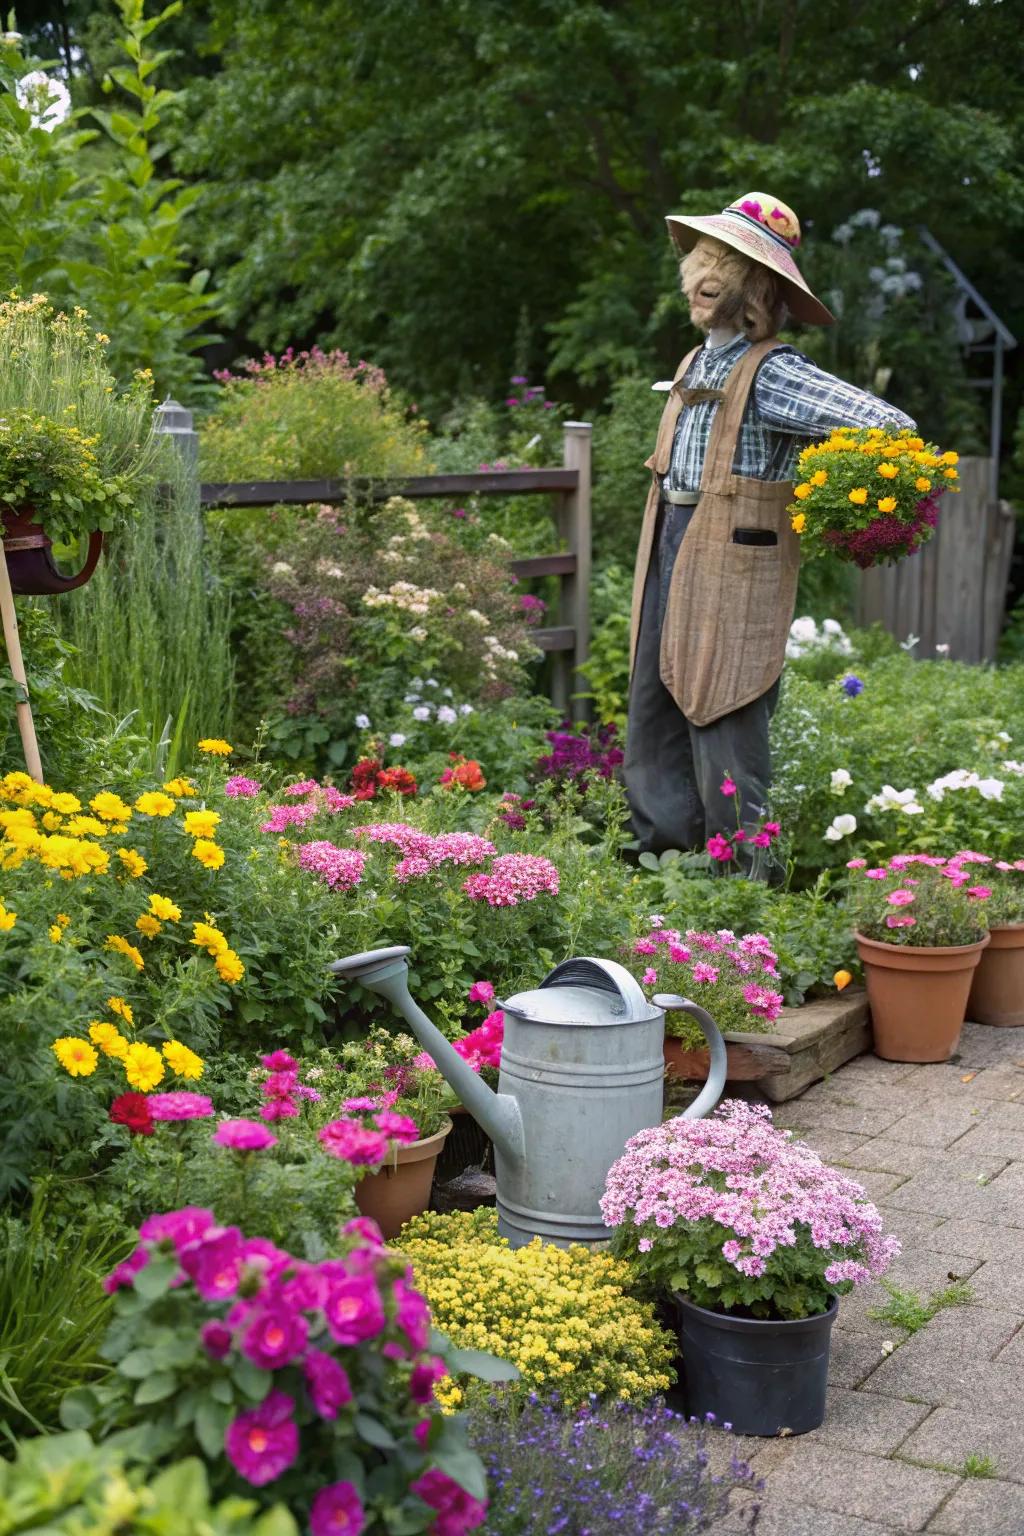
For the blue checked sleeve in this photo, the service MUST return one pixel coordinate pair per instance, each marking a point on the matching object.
(794, 395)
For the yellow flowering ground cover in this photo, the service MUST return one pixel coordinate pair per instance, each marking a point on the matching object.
(567, 1318)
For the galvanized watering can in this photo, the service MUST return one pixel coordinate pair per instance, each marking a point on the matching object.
(582, 1071)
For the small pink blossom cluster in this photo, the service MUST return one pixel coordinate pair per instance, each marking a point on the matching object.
(513, 878)
(282, 1090)
(368, 1141)
(340, 868)
(917, 891)
(459, 848)
(311, 1324)
(691, 1193)
(724, 848)
(179, 1106)
(684, 963)
(313, 800)
(238, 787)
(482, 1046)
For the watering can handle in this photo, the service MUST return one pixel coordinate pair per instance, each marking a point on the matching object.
(710, 1094)
(603, 976)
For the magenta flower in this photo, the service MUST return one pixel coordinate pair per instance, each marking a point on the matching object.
(425, 1375)
(264, 1442)
(216, 1339)
(761, 840)
(240, 788)
(650, 976)
(900, 898)
(457, 1510)
(397, 1127)
(354, 1310)
(413, 1314)
(876, 874)
(368, 1230)
(481, 992)
(773, 828)
(975, 892)
(900, 920)
(179, 1106)
(305, 787)
(720, 848)
(279, 1061)
(178, 1227)
(354, 1143)
(328, 1383)
(244, 1136)
(275, 1338)
(280, 1108)
(214, 1263)
(704, 972)
(337, 1511)
(363, 1103)
(728, 786)
(856, 863)
(123, 1274)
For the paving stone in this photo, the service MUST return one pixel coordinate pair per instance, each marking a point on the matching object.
(989, 1139)
(886, 1155)
(872, 1068)
(868, 1487)
(913, 1228)
(843, 1091)
(861, 1421)
(853, 1357)
(1009, 1116)
(936, 1125)
(1000, 1282)
(834, 1146)
(801, 1520)
(1002, 1082)
(950, 1363)
(1013, 1352)
(981, 1507)
(938, 1193)
(801, 1116)
(919, 1271)
(877, 1186)
(950, 1435)
(979, 1239)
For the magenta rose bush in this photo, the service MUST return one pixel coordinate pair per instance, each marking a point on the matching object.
(313, 1381)
(742, 1218)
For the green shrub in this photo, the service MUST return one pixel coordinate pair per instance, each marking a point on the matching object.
(623, 438)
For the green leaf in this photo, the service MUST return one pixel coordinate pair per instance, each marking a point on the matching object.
(374, 1432)
(276, 1522)
(212, 1420)
(649, 861)
(156, 1388)
(248, 1378)
(184, 1489)
(78, 1408)
(477, 1362)
(154, 1280)
(464, 1467)
(137, 1364)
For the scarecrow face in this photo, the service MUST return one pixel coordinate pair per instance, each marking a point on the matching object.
(712, 278)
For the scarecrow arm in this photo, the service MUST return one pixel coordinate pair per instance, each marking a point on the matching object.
(795, 395)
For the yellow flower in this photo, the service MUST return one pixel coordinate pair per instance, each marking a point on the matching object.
(121, 1008)
(801, 492)
(915, 442)
(22, 817)
(799, 522)
(66, 804)
(216, 746)
(109, 1039)
(165, 909)
(63, 919)
(153, 803)
(201, 823)
(76, 1056)
(819, 477)
(133, 862)
(950, 474)
(7, 919)
(55, 932)
(183, 1061)
(122, 947)
(110, 807)
(209, 938)
(148, 925)
(842, 979)
(922, 484)
(859, 496)
(229, 967)
(143, 1066)
(950, 458)
(887, 504)
(51, 820)
(85, 826)
(210, 855)
(180, 788)
(888, 471)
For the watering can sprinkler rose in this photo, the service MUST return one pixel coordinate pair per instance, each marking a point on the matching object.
(582, 1071)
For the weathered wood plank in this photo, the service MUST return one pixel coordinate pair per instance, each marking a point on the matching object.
(561, 638)
(298, 493)
(544, 565)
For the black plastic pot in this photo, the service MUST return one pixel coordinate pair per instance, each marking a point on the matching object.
(761, 1377)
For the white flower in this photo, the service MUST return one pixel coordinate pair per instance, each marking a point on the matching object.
(421, 712)
(1010, 766)
(411, 698)
(841, 780)
(449, 694)
(48, 101)
(418, 633)
(803, 630)
(396, 739)
(889, 799)
(417, 682)
(942, 650)
(431, 682)
(841, 827)
(362, 722)
(990, 789)
(467, 709)
(656, 920)
(446, 715)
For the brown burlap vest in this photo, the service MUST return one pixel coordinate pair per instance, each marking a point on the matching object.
(730, 605)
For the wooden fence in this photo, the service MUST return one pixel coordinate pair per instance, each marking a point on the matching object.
(568, 640)
(953, 592)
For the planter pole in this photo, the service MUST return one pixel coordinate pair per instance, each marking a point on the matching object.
(23, 708)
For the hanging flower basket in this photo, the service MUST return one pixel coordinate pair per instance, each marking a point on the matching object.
(29, 554)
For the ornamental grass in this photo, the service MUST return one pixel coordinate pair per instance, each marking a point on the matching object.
(568, 1318)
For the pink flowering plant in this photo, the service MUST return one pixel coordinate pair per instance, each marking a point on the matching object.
(309, 1383)
(1005, 880)
(741, 1218)
(735, 979)
(921, 899)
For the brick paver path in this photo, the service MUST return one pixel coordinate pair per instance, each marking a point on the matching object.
(941, 1151)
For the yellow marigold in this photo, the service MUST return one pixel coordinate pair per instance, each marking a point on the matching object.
(148, 925)
(51, 821)
(181, 789)
(121, 1008)
(66, 804)
(891, 450)
(922, 484)
(229, 967)
(18, 786)
(153, 803)
(216, 746)
(950, 458)
(143, 1066)
(55, 932)
(63, 919)
(859, 496)
(183, 1061)
(22, 817)
(165, 909)
(888, 471)
(122, 947)
(110, 807)
(801, 492)
(210, 855)
(109, 1039)
(799, 522)
(201, 823)
(887, 504)
(133, 862)
(76, 1056)
(7, 919)
(875, 432)
(204, 936)
(84, 826)
(820, 477)
(950, 474)
(915, 442)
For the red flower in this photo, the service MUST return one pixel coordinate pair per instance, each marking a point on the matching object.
(364, 778)
(397, 778)
(466, 774)
(132, 1110)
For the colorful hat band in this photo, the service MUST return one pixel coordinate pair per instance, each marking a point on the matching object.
(763, 229)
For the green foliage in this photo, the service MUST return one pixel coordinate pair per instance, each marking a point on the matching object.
(623, 438)
(607, 667)
(977, 1465)
(916, 908)
(68, 1486)
(911, 1312)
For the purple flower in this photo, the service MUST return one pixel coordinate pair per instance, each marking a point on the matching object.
(328, 1383)
(264, 1442)
(244, 1135)
(337, 1511)
(275, 1338)
(852, 685)
(354, 1310)
(180, 1106)
(214, 1263)
(216, 1339)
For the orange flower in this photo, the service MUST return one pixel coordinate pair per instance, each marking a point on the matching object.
(859, 496)
(842, 979)
(887, 504)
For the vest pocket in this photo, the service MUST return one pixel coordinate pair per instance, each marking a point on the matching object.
(764, 538)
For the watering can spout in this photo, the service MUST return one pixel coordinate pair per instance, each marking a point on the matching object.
(386, 972)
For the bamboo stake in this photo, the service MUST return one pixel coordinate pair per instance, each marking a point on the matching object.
(26, 725)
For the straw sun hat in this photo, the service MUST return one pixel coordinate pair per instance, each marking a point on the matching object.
(767, 231)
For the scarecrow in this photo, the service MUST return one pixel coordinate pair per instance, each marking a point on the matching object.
(716, 569)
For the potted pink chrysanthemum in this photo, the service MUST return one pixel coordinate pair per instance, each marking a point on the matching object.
(754, 1238)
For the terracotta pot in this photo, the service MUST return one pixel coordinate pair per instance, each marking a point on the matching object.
(29, 561)
(997, 989)
(401, 1190)
(917, 996)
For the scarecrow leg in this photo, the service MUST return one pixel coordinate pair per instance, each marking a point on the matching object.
(26, 725)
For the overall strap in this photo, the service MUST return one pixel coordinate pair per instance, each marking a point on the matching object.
(721, 450)
(660, 458)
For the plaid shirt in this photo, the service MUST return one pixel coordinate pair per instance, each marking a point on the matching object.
(792, 402)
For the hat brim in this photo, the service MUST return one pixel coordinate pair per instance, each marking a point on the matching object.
(800, 301)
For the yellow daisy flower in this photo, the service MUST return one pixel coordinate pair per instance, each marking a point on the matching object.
(76, 1056)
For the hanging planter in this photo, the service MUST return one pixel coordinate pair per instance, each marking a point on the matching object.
(29, 554)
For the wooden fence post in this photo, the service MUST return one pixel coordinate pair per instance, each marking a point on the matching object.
(575, 529)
